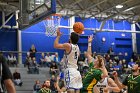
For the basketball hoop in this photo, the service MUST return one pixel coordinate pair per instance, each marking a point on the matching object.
(51, 25)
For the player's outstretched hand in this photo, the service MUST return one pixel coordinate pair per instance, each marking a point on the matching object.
(58, 32)
(90, 38)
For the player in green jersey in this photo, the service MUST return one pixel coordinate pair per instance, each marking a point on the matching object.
(96, 71)
(132, 81)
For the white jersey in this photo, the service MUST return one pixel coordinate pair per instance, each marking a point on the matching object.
(72, 57)
(99, 87)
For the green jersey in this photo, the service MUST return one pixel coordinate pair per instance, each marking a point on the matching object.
(91, 79)
(44, 90)
(133, 83)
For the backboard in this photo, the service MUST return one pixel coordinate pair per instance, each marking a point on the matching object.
(33, 11)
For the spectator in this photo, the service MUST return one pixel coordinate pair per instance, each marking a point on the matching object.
(107, 57)
(48, 59)
(110, 61)
(42, 60)
(46, 87)
(12, 61)
(110, 51)
(32, 51)
(33, 67)
(120, 66)
(53, 69)
(37, 86)
(57, 59)
(116, 58)
(28, 58)
(6, 76)
(52, 84)
(131, 63)
(110, 68)
(17, 78)
(124, 66)
(117, 68)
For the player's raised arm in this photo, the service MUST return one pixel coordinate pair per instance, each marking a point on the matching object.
(65, 46)
(112, 86)
(117, 81)
(89, 51)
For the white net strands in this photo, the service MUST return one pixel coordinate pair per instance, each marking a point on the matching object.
(51, 25)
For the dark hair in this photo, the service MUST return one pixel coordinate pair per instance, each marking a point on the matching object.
(74, 38)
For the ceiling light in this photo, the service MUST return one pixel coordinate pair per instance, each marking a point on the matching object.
(119, 6)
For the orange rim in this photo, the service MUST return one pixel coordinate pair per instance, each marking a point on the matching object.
(49, 18)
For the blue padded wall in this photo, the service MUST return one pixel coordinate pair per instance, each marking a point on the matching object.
(8, 40)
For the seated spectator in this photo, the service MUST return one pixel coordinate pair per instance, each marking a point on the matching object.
(116, 58)
(118, 68)
(17, 78)
(53, 69)
(52, 84)
(28, 58)
(110, 68)
(107, 57)
(46, 87)
(48, 59)
(37, 86)
(42, 60)
(57, 59)
(131, 63)
(33, 67)
(124, 66)
(12, 61)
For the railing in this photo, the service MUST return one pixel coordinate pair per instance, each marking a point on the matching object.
(21, 56)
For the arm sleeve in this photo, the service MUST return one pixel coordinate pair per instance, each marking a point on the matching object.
(6, 74)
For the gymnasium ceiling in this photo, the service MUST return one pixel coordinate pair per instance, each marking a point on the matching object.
(100, 9)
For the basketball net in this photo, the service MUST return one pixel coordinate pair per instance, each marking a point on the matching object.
(51, 25)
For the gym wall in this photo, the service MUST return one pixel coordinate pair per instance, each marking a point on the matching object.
(122, 41)
(36, 35)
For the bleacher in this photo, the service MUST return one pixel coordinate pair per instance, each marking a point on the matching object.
(29, 79)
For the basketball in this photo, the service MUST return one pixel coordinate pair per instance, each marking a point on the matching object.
(78, 27)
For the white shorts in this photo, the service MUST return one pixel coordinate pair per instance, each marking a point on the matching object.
(73, 79)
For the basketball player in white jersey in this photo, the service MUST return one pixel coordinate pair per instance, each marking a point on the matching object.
(106, 85)
(73, 79)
